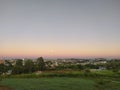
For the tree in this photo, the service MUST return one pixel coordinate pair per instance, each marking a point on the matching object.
(80, 67)
(7, 65)
(40, 64)
(19, 62)
(3, 68)
(48, 65)
(29, 66)
(113, 65)
(18, 68)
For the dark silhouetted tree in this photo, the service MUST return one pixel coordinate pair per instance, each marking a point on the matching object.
(40, 64)
(29, 66)
(18, 67)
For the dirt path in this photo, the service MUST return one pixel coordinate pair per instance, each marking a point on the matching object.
(4, 88)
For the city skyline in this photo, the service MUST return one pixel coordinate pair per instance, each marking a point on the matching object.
(60, 28)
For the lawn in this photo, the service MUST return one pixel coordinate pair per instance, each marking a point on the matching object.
(56, 83)
(63, 80)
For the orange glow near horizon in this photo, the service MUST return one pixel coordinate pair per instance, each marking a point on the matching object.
(82, 51)
(60, 50)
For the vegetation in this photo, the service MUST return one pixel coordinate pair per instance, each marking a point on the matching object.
(40, 64)
(50, 84)
(29, 66)
(61, 83)
(41, 75)
(113, 65)
(107, 84)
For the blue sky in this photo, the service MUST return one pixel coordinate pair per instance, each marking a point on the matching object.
(60, 28)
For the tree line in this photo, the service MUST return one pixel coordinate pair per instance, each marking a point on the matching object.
(29, 66)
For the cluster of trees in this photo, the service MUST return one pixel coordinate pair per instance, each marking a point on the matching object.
(113, 65)
(27, 66)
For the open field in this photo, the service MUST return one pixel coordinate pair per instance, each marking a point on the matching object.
(64, 80)
(63, 73)
(50, 84)
(60, 83)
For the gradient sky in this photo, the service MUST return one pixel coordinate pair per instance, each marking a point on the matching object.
(60, 28)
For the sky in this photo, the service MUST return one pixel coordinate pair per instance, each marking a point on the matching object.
(60, 28)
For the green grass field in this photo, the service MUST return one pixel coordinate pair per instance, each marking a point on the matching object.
(63, 80)
(50, 84)
(61, 83)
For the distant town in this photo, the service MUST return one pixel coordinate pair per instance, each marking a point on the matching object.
(25, 65)
(56, 62)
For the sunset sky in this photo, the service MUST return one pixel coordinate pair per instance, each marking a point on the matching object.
(60, 28)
